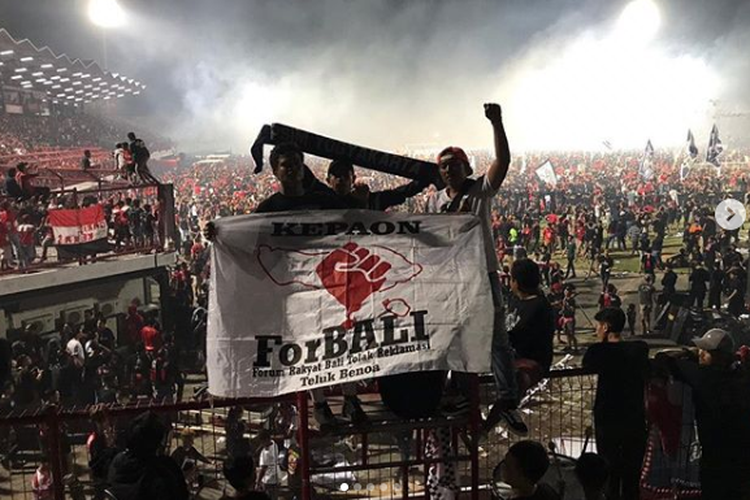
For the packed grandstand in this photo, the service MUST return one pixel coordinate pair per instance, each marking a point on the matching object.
(592, 248)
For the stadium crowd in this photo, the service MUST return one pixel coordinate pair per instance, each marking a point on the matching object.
(599, 205)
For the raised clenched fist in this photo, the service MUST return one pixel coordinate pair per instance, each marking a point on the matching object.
(493, 112)
(351, 274)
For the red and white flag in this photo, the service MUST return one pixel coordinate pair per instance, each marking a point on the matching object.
(79, 230)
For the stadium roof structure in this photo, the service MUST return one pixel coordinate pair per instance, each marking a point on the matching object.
(64, 80)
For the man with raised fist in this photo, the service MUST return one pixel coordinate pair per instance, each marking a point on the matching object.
(463, 194)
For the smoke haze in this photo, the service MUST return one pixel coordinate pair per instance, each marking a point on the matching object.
(389, 74)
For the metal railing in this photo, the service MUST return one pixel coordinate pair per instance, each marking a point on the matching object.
(158, 239)
(388, 458)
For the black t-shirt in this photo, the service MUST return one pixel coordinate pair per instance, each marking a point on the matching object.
(698, 279)
(669, 281)
(722, 409)
(622, 368)
(531, 327)
(280, 202)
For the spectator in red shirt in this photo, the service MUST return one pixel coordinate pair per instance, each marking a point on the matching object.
(26, 232)
(151, 336)
(134, 324)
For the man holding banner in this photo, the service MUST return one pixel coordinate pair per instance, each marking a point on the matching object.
(463, 194)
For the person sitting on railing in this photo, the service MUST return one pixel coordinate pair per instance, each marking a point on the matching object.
(721, 395)
(12, 188)
(24, 179)
(523, 468)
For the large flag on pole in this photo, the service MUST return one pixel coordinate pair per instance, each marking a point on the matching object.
(546, 173)
(646, 170)
(715, 148)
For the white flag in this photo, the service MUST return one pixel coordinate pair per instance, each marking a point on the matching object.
(300, 300)
(546, 172)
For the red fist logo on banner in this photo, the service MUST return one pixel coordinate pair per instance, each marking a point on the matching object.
(351, 274)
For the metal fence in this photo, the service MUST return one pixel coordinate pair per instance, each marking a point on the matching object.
(387, 458)
(157, 239)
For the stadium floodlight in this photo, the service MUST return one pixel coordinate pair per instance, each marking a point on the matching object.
(64, 79)
(77, 74)
(87, 86)
(137, 92)
(56, 77)
(41, 80)
(120, 95)
(21, 70)
(2, 63)
(16, 77)
(639, 22)
(86, 75)
(95, 96)
(60, 95)
(46, 66)
(55, 87)
(107, 98)
(76, 82)
(96, 79)
(38, 73)
(26, 59)
(106, 13)
(61, 70)
(6, 52)
(68, 89)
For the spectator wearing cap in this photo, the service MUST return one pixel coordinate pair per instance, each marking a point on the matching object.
(523, 468)
(721, 395)
(619, 413)
(465, 195)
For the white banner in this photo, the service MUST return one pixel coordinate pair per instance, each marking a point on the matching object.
(300, 301)
(547, 174)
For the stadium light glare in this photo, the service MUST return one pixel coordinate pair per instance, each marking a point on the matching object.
(639, 22)
(26, 59)
(6, 53)
(106, 13)
(64, 79)
(38, 73)
(2, 63)
(96, 79)
(77, 74)
(16, 77)
(41, 80)
(55, 87)
(46, 66)
(21, 70)
(61, 70)
(107, 98)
